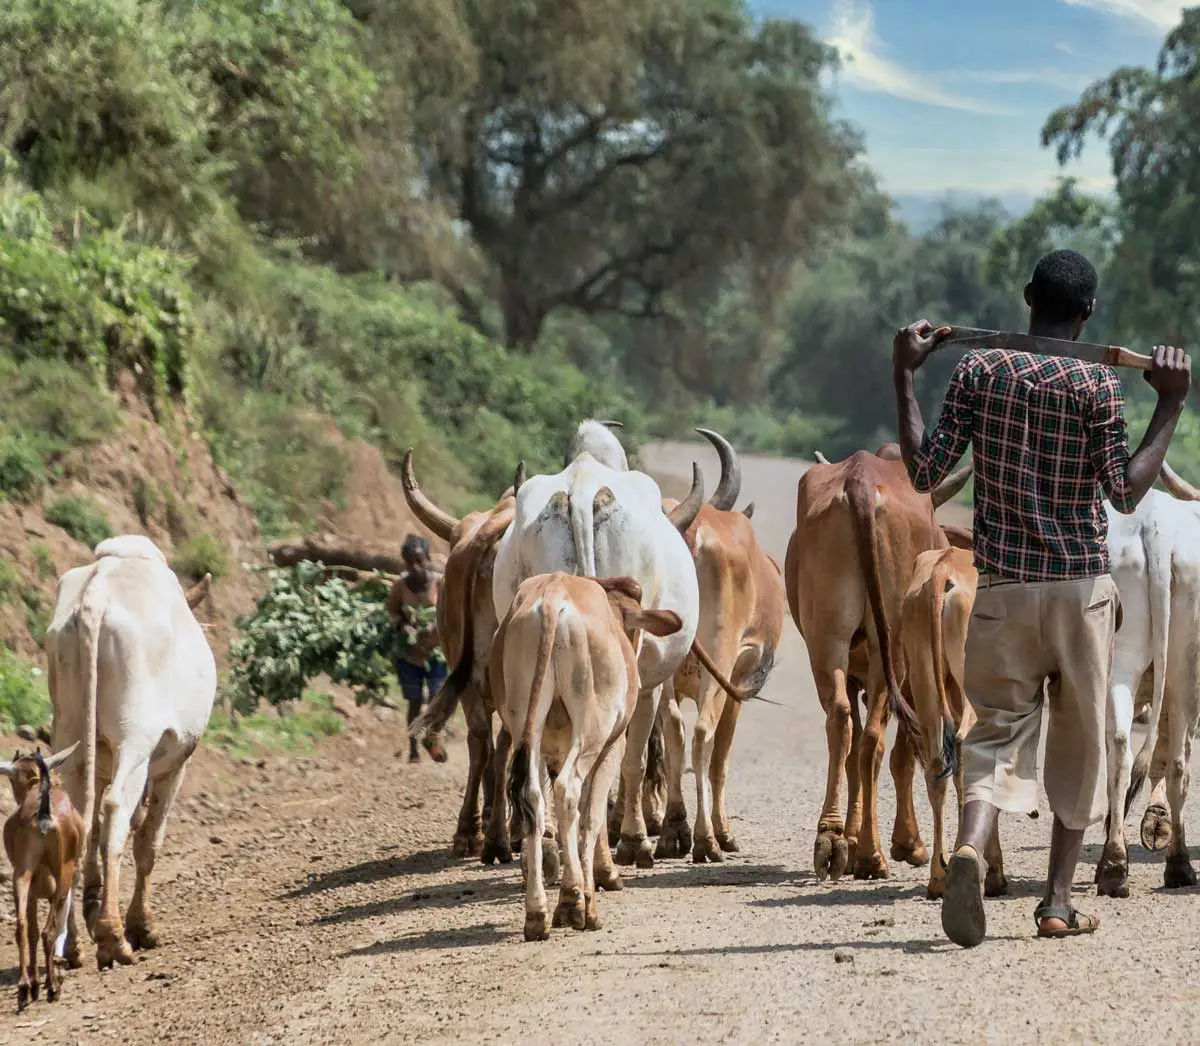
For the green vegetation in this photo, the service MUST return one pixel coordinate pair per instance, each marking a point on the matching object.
(199, 555)
(80, 518)
(24, 699)
(45, 561)
(249, 735)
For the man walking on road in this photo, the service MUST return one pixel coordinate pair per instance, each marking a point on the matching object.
(411, 605)
(1049, 439)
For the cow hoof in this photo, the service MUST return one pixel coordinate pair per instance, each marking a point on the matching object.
(468, 844)
(74, 957)
(593, 921)
(570, 913)
(729, 844)
(52, 993)
(1112, 877)
(654, 824)
(995, 883)
(676, 838)
(495, 853)
(1178, 873)
(707, 850)
(23, 994)
(140, 935)
(120, 954)
(936, 889)
(551, 865)
(831, 855)
(535, 927)
(870, 866)
(634, 851)
(609, 879)
(1156, 828)
(916, 854)
(35, 991)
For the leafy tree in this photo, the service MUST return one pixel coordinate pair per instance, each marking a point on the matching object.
(604, 155)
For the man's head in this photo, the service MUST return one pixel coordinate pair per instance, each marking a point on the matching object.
(415, 552)
(1062, 292)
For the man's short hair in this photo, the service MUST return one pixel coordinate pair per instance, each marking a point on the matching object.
(1063, 286)
(415, 547)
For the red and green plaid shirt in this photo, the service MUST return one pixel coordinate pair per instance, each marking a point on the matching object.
(1048, 436)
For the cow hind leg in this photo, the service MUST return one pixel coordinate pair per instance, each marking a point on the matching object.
(712, 704)
(722, 748)
(604, 872)
(551, 862)
(1112, 870)
(869, 862)
(634, 847)
(568, 789)
(937, 790)
(907, 845)
(139, 919)
(1156, 821)
(654, 791)
(1179, 871)
(122, 796)
(468, 834)
(831, 852)
(676, 837)
(497, 846)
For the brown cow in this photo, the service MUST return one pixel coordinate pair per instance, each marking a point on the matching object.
(565, 674)
(741, 620)
(468, 577)
(933, 629)
(860, 526)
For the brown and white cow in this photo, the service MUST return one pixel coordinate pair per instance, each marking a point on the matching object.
(564, 672)
(860, 526)
(741, 619)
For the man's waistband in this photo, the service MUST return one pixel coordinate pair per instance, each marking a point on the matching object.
(990, 580)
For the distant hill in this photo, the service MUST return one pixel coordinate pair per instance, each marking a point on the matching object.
(921, 211)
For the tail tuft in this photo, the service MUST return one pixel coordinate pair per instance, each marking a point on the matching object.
(949, 756)
(518, 788)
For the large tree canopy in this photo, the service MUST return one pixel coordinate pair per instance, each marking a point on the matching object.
(605, 155)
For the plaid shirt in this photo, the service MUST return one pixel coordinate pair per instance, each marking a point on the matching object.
(1048, 435)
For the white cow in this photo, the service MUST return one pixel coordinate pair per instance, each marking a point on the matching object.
(1155, 559)
(131, 674)
(597, 521)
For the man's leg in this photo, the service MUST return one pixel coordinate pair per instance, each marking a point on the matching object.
(412, 686)
(1005, 665)
(1080, 623)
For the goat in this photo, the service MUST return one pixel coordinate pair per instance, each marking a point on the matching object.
(44, 840)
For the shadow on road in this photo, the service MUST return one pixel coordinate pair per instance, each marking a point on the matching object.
(689, 875)
(910, 946)
(450, 895)
(423, 862)
(464, 937)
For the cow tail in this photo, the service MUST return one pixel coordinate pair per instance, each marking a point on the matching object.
(583, 533)
(92, 605)
(860, 492)
(656, 779)
(1158, 578)
(45, 821)
(940, 581)
(524, 759)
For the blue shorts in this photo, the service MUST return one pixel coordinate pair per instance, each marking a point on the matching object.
(414, 678)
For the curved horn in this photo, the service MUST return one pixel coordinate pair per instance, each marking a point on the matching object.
(436, 519)
(748, 511)
(6, 769)
(820, 458)
(951, 485)
(518, 477)
(1177, 486)
(684, 514)
(731, 471)
(59, 758)
(195, 595)
(613, 424)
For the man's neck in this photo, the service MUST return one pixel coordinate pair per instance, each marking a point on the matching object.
(417, 581)
(1061, 331)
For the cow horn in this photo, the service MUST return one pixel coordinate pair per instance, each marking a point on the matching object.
(951, 485)
(820, 458)
(6, 769)
(518, 477)
(60, 757)
(748, 511)
(436, 519)
(1178, 486)
(613, 424)
(731, 471)
(195, 595)
(684, 514)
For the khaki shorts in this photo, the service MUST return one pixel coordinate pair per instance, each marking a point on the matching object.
(1024, 634)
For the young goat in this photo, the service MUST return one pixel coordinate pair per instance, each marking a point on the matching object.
(44, 840)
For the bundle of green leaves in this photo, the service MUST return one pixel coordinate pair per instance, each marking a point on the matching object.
(307, 625)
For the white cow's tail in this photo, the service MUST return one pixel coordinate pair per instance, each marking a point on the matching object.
(92, 604)
(1158, 577)
(583, 531)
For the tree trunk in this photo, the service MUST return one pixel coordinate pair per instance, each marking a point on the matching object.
(523, 317)
(288, 554)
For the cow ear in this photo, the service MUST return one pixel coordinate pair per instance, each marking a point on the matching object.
(656, 622)
(625, 586)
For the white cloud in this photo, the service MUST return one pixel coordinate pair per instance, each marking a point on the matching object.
(1161, 14)
(1064, 47)
(853, 35)
(1026, 77)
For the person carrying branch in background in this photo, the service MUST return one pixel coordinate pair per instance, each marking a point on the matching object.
(412, 607)
(1049, 439)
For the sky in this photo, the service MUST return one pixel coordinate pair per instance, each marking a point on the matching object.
(952, 94)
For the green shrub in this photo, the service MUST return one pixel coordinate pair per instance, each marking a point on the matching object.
(10, 582)
(81, 519)
(244, 735)
(24, 699)
(54, 406)
(200, 555)
(45, 561)
(21, 468)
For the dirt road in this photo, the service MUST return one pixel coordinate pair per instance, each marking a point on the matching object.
(314, 901)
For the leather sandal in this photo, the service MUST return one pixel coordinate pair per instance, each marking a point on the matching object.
(1078, 924)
